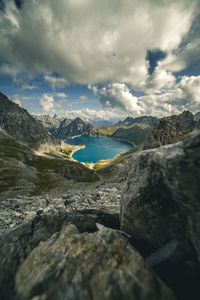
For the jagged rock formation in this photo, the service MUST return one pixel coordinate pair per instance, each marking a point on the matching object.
(17, 122)
(136, 134)
(87, 266)
(51, 124)
(171, 129)
(95, 203)
(161, 202)
(42, 216)
(76, 127)
(149, 120)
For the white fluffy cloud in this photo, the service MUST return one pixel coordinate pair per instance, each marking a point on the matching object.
(184, 95)
(47, 103)
(91, 115)
(175, 98)
(117, 95)
(92, 41)
(61, 95)
(56, 81)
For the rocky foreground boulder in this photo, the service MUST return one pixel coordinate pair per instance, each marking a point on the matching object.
(99, 265)
(161, 206)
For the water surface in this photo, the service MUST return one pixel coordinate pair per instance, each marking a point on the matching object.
(97, 148)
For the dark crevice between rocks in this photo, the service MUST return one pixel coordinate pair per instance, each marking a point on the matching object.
(181, 273)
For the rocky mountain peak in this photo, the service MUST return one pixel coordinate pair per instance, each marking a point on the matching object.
(170, 129)
(17, 122)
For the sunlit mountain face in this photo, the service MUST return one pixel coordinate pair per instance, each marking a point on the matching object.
(101, 60)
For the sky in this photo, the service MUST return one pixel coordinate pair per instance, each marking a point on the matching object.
(101, 59)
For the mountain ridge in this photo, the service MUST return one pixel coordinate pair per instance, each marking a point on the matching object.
(17, 122)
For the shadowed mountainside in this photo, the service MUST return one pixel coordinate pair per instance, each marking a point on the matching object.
(18, 123)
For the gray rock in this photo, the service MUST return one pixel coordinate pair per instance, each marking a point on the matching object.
(17, 122)
(161, 204)
(161, 199)
(100, 265)
(171, 129)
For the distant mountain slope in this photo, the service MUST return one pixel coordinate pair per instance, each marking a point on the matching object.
(137, 133)
(23, 172)
(47, 121)
(170, 130)
(64, 128)
(52, 123)
(76, 127)
(151, 121)
(17, 122)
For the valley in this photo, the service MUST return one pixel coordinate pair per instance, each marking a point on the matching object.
(138, 209)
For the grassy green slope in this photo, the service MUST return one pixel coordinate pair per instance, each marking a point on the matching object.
(24, 172)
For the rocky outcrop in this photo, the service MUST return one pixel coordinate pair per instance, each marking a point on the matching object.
(88, 266)
(148, 120)
(161, 202)
(41, 216)
(76, 127)
(136, 134)
(99, 265)
(18, 123)
(93, 203)
(51, 123)
(171, 129)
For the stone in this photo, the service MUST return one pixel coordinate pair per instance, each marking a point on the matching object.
(161, 203)
(169, 130)
(99, 265)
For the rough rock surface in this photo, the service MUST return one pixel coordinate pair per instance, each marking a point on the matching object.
(171, 129)
(149, 120)
(51, 123)
(136, 134)
(88, 266)
(76, 127)
(161, 201)
(40, 217)
(83, 199)
(17, 122)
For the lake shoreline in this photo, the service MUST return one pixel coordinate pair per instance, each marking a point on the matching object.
(95, 149)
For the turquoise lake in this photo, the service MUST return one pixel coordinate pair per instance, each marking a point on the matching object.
(97, 148)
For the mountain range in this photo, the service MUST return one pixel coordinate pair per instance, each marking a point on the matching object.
(135, 130)
(130, 228)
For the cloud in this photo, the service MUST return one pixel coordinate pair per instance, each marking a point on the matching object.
(61, 103)
(56, 82)
(183, 95)
(91, 115)
(117, 95)
(47, 103)
(83, 98)
(92, 41)
(61, 95)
